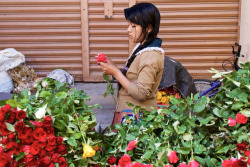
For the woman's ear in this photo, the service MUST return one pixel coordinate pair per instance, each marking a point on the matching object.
(149, 28)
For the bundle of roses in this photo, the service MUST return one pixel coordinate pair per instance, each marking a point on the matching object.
(72, 118)
(191, 132)
(29, 144)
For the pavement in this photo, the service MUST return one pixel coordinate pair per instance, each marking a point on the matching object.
(103, 115)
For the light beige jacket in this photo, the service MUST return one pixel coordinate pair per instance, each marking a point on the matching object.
(145, 75)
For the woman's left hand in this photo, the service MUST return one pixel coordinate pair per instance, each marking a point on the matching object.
(109, 68)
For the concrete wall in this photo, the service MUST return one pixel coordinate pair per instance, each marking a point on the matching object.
(245, 30)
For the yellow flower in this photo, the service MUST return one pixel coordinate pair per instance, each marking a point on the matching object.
(88, 151)
(159, 95)
(163, 92)
(164, 100)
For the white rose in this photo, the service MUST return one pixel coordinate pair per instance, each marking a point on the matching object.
(44, 84)
(41, 112)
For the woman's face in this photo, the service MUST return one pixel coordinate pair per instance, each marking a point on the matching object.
(135, 33)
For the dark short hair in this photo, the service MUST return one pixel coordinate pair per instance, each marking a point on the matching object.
(144, 14)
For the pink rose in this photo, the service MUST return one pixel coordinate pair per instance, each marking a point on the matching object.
(172, 157)
(137, 164)
(231, 122)
(193, 164)
(241, 119)
(235, 162)
(183, 165)
(168, 165)
(226, 163)
(131, 145)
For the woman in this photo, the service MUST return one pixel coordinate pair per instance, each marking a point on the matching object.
(140, 78)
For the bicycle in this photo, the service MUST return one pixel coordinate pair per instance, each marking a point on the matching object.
(206, 87)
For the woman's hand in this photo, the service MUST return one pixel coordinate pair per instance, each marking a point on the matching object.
(109, 68)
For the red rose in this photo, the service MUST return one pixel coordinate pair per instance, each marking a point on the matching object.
(147, 165)
(46, 160)
(61, 149)
(10, 145)
(49, 131)
(55, 158)
(6, 108)
(231, 122)
(242, 164)
(18, 149)
(13, 115)
(50, 153)
(247, 153)
(30, 160)
(42, 141)
(34, 148)
(168, 165)
(4, 130)
(19, 126)
(183, 165)
(62, 162)
(24, 133)
(234, 162)
(3, 159)
(28, 140)
(137, 164)
(1, 116)
(39, 132)
(131, 145)
(38, 124)
(41, 154)
(241, 119)
(172, 157)
(111, 160)
(4, 141)
(193, 164)
(125, 161)
(51, 164)
(47, 121)
(97, 165)
(101, 58)
(50, 147)
(10, 121)
(20, 114)
(59, 140)
(11, 137)
(52, 140)
(1, 150)
(248, 161)
(241, 146)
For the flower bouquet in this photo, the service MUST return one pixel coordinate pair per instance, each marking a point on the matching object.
(163, 96)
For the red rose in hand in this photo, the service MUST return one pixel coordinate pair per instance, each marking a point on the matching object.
(101, 58)
(231, 122)
(241, 146)
(193, 164)
(62, 162)
(131, 145)
(172, 157)
(111, 160)
(125, 161)
(20, 114)
(241, 119)
(47, 121)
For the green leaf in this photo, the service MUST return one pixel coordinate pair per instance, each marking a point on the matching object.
(21, 155)
(237, 105)
(246, 112)
(71, 141)
(10, 127)
(148, 154)
(200, 160)
(222, 149)
(209, 162)
(130, 137)
(183, 150)
(120, 129)
(76, 135)
(242, 137)
(201, 104)
(12, 103)
(45, 94)
(244, 97)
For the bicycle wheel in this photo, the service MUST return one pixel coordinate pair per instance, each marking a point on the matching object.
(204, 84)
